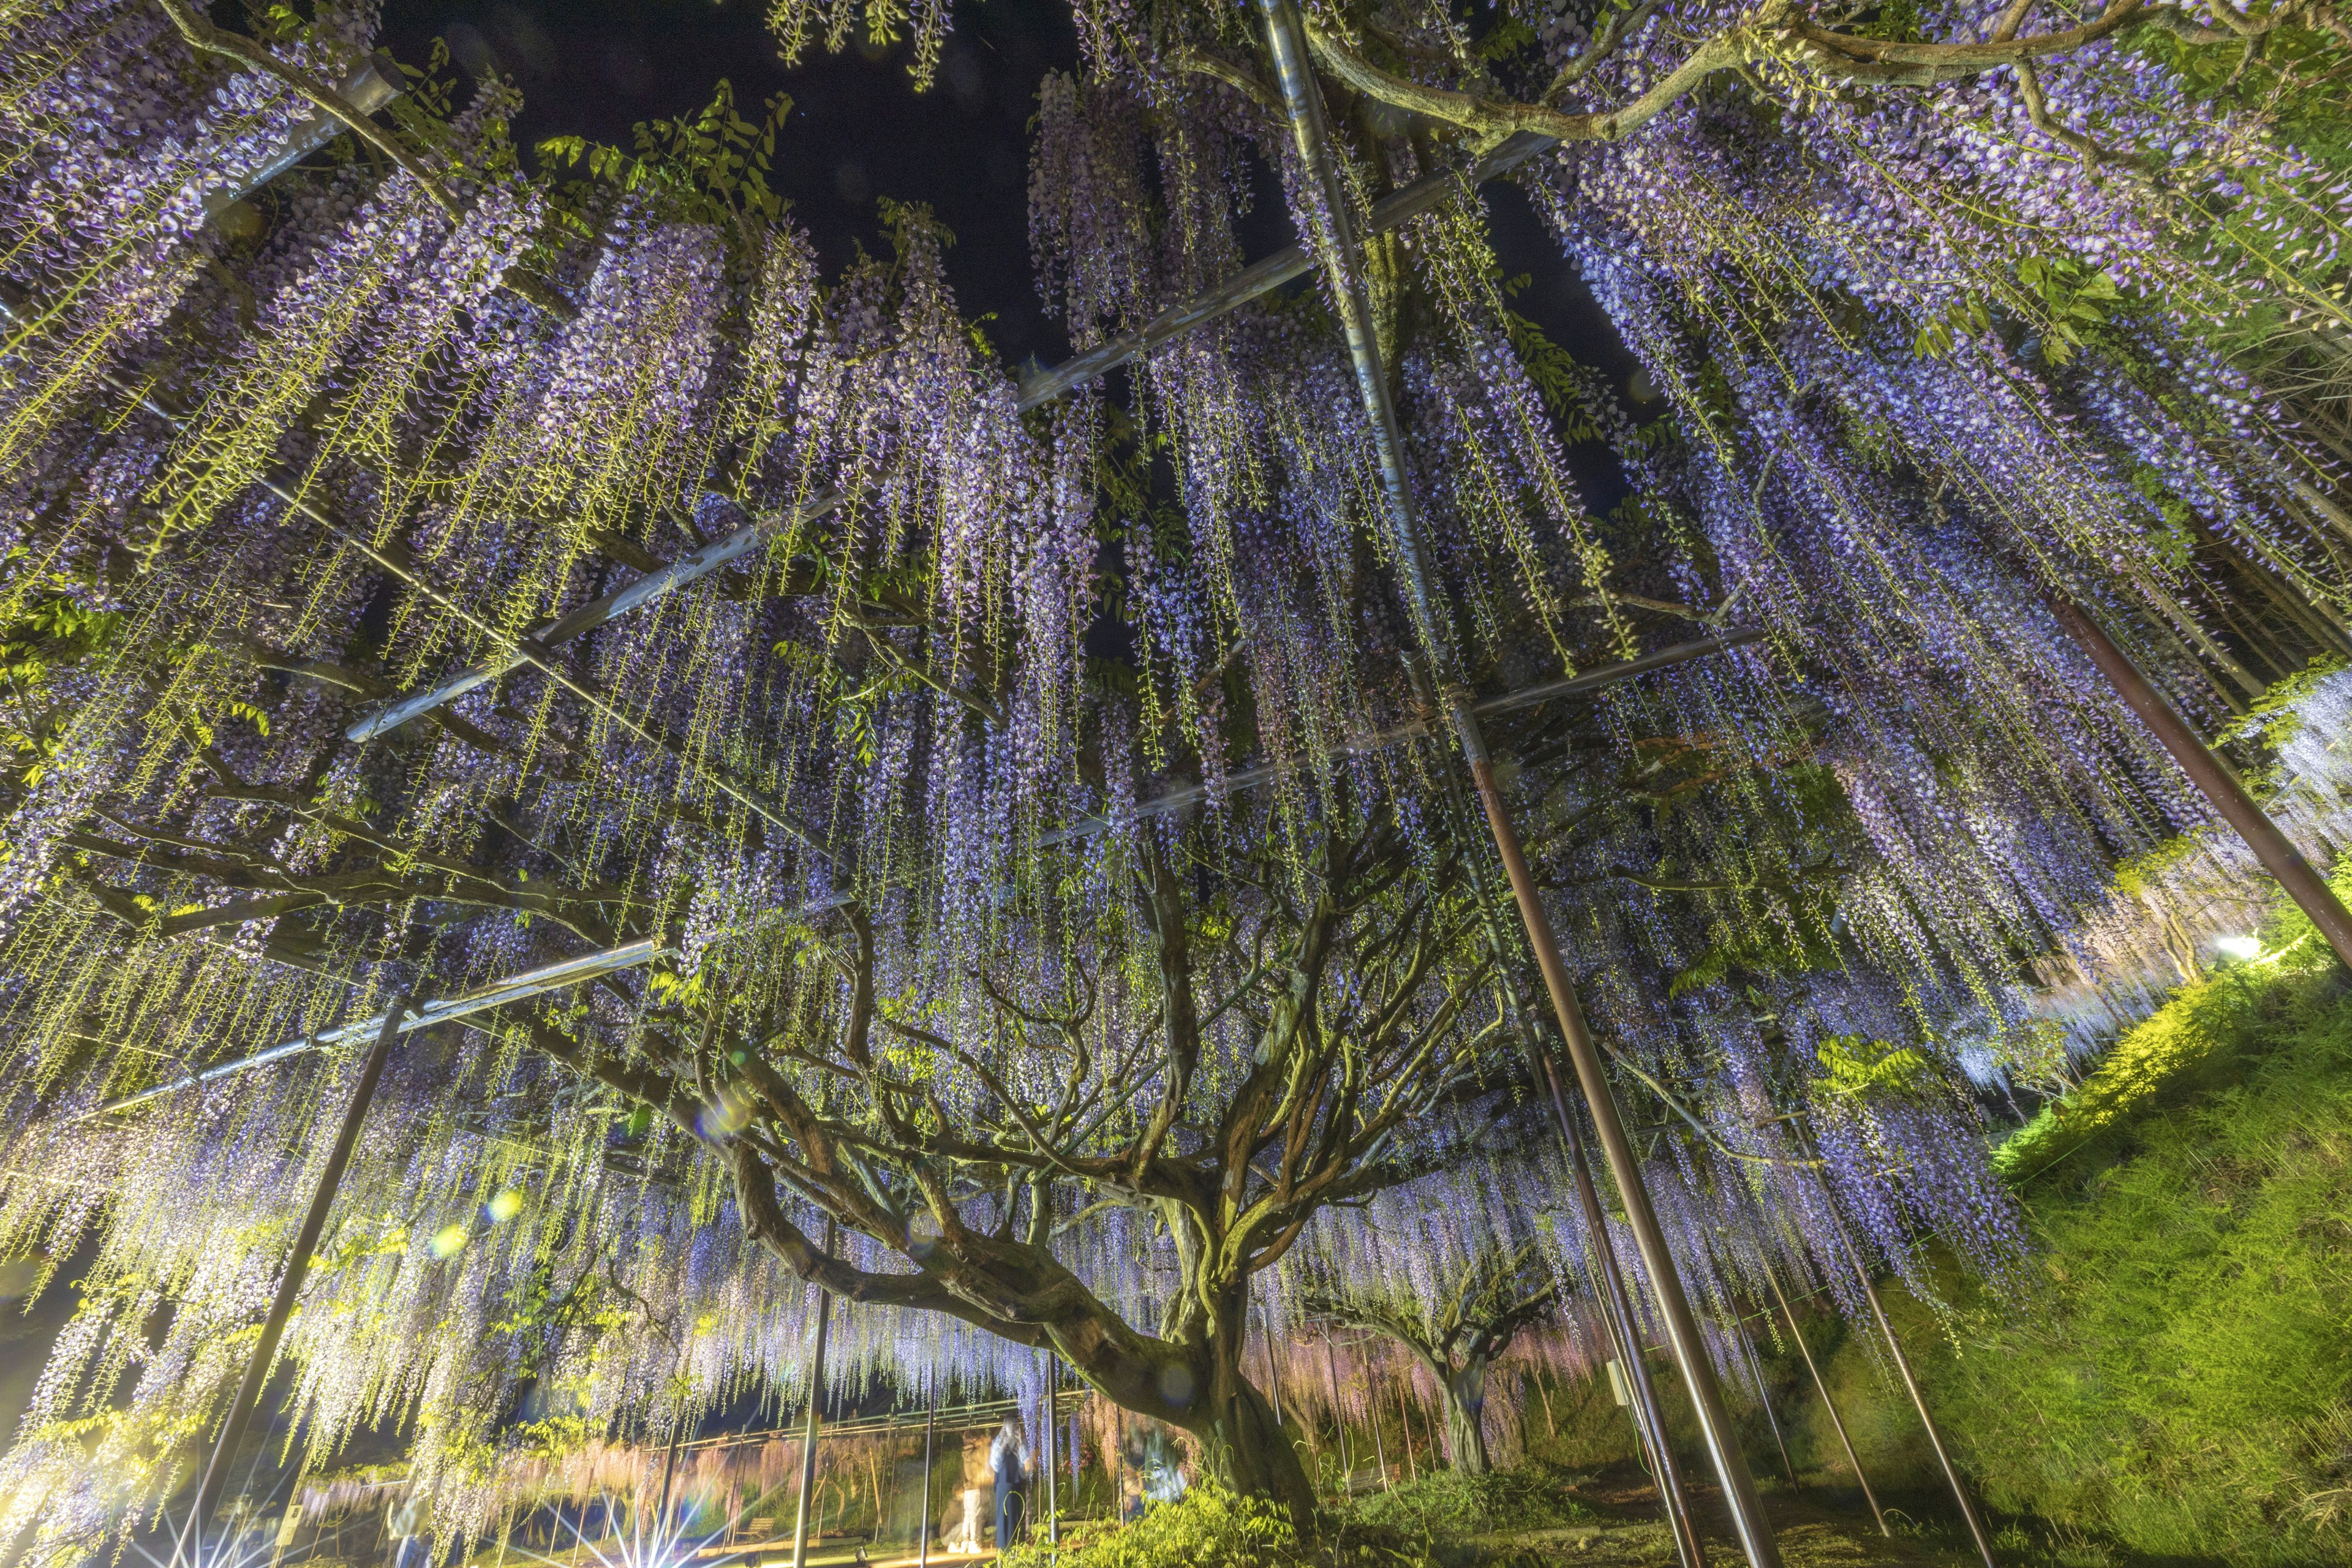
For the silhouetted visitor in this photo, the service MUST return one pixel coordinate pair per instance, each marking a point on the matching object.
(1010, 1460)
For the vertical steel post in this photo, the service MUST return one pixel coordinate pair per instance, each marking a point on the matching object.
(1837, 1423)
(670, 1469)
(2213, 777)
(1273, 1368)
(1763, 1395)
(289, 1288)
(809, 1425)
(1119, 1467)
(1649, 1423)
(1304, 105)
(1650, 1431)
(1404, 1423)
(930, 1435)
(1339, 1417)
(677, 1431)
(1903, 1364)
(1052, 1440)
(1617, 1311)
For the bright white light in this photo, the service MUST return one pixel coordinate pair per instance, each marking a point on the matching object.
(646, 1541)
(2238, 946)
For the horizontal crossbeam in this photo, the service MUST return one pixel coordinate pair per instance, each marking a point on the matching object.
(687, 569)
(1262, 278)
(650, 949)
(482, 998)
(372, 86)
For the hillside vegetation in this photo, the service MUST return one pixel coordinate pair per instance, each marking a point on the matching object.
(2180, 1387)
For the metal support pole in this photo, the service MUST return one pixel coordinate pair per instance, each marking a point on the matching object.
(1273, 1368)
(1379, 1443)
(808, 1427)
(1052, 1440)
(1649, 1425)
(1837, 1423)
(1339, 1419)
(1657, 1258)
(1763, 1397)
(1404, 1423)
(1617, 1311)
(1902, 1365)
(372, 85)
(1918, 1403)
(1650, 1431)
(676, 1432)
(1304, 105)
(930, 1435)
(670, 1469)
(289, 1288)
(2214, 778)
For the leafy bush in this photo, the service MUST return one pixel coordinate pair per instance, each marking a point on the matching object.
(1415, 1525)
(1447, 1505)
(1208, 1526)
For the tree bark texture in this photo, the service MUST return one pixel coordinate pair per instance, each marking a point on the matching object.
(1465, 1427)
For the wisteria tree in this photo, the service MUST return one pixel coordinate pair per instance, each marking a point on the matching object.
(1265, 1053)
(419, 570)
(1456, 1338)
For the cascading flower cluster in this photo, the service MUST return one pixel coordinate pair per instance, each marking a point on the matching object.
(1000, 726)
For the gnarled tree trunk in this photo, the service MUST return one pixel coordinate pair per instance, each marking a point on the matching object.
(1243, 1447)
(1465, 1425)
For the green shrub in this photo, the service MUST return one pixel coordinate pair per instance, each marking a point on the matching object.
(1413, 1526)
(1448, 1506)
(1208, 1526)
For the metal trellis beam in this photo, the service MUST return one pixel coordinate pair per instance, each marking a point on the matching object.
(688, 568)
(481, 999)
(1183, 796)
(649, 950)
(372, 86)
(1262, 278)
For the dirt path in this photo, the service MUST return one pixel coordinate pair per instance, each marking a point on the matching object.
(1628, 1530)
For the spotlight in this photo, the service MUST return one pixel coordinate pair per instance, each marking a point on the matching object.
(2242, 947)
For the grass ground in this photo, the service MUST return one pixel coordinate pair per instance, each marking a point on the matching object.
(1541, 1516)
(2176, 1387)
(1538, 1518)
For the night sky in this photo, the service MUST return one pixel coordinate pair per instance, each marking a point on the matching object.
(859, 130)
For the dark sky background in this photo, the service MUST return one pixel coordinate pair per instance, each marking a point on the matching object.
(859, 130)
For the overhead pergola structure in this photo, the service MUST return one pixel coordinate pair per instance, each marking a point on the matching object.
(366, 91)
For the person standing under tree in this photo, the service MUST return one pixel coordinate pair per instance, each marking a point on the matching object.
(1010, 1460)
